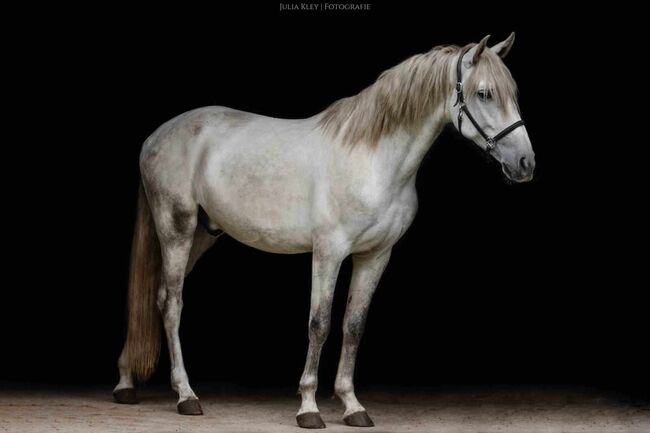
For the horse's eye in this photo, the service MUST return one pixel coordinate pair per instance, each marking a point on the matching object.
(484, 95)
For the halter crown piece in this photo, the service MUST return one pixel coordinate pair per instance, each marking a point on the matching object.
(491, 142)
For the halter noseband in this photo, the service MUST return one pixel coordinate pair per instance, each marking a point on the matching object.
(491, 141)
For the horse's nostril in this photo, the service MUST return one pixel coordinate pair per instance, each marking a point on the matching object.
(523, 163)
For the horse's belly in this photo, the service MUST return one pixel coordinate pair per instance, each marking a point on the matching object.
(271, 214)
(272, 242)
(282, 238)
(259, 191)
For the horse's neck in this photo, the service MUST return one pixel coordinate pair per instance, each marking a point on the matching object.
(403, 152)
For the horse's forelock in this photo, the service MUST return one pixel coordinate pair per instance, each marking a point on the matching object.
(491, 70)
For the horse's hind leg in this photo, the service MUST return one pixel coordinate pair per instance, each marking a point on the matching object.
(124, 392)
(176, 225)
(201, 243)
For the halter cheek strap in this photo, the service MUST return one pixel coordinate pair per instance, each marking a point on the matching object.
(491, 142)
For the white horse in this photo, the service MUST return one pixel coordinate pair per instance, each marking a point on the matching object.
(339, 183)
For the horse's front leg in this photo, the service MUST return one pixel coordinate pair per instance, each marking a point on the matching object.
(326, 263)
(365, 275)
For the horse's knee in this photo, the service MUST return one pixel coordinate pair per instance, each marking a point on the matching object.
(319, 328)
(353, 328)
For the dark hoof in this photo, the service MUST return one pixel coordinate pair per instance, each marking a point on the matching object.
(190, 407)
(125, 396)
(359, 419)
(310, 420)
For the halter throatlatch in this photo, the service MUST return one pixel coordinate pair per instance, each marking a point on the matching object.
(491, 142)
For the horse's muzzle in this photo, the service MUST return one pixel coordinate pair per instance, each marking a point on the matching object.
(520, 174)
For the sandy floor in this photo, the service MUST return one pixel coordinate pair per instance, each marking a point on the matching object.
(501, 409)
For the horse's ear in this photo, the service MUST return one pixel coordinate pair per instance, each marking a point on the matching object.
(503, 48)
(472, 56)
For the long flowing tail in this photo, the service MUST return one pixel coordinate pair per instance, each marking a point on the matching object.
(143, 336)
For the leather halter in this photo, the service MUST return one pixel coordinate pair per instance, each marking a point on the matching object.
(491, 142)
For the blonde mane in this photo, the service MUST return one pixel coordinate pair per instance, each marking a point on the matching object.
(406, 94)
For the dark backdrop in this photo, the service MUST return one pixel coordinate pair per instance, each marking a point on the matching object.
(493, 283)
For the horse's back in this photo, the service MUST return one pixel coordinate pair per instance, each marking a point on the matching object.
(187, 141)
(252, 174)
(256, 180)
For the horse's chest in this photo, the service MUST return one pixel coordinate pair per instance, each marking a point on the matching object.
(384, 225)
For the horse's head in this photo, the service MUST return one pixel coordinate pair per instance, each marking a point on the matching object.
(484, 108)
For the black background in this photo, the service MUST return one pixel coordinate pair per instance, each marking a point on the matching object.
(537, 283)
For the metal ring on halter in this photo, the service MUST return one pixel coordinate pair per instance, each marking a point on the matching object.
(490, 145)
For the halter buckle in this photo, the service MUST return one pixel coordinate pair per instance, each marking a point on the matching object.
(459, 94)
(490, 145)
